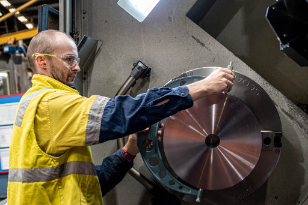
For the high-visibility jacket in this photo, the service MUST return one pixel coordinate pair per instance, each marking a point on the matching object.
(50, 161)
(36, 177)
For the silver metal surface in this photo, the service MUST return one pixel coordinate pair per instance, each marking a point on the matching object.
(213, 145)
(126, 86)
(251, 93)
(65, 16)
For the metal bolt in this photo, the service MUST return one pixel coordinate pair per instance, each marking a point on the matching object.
(199, 195)
(84, 12)
(298, 202)
(84, 78)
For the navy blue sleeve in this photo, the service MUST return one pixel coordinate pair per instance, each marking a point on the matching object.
(125, 115)
(112, 171)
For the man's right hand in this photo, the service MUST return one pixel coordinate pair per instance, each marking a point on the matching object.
(221, 80)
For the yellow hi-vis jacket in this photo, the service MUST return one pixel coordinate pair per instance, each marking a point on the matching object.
(36, 177)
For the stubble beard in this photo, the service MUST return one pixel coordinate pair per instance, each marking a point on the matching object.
(60, 76)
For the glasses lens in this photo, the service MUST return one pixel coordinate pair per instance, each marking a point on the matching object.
(70, 60)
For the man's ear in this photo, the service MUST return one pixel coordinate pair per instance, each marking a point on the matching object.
(41, 62)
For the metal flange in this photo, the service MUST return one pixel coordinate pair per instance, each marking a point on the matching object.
(257, 100)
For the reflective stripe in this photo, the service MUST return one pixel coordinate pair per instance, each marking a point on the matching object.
(51, 173)
(94, 120)
(24, 104)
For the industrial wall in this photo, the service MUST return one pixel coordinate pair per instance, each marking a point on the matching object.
(18, 75)
(170, 44)
(244, 30)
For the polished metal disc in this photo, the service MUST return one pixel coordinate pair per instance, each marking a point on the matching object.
(213, 145)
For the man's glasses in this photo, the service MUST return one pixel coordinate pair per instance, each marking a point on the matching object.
(69, 59)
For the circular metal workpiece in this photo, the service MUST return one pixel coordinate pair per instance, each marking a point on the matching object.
(213, 145)
(224, 141)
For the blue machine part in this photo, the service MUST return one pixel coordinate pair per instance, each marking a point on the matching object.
(9, 49)
(13, 49)
(150, 151)
(20, 50)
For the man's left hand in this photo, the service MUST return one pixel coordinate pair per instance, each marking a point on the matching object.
(131, 146)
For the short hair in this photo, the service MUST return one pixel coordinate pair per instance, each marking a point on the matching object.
(43, 42)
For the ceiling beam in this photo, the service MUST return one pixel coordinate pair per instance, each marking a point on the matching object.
(20, 35)
(18, 9)
(41, 2)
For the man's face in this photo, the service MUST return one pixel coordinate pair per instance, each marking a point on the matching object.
(59, 69)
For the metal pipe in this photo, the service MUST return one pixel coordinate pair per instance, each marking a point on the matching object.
(126, 86)
(141, 179)
(61, 15)
(18, 9)
(65, 16)
(68, 17)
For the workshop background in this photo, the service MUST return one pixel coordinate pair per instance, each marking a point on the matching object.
(170, 43)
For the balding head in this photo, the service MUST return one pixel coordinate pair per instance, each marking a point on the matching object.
(44, 42)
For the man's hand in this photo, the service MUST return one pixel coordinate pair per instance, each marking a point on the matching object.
(221, 80)
(131, 146)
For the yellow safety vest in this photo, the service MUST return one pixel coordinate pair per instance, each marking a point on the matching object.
(39, 178)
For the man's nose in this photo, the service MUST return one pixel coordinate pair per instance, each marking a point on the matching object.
(76, 68)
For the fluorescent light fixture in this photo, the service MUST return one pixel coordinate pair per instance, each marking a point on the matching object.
(22, 19)
(29, 25)
(139, 9)
(3, 74)
(13, 9)
(5, 3)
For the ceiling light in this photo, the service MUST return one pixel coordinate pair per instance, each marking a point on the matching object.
(22, 19)
(29, 25)
(13, 9)
(139, 9)
(3, 74)
(5, 3)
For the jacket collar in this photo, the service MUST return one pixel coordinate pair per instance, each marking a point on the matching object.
(45, 81)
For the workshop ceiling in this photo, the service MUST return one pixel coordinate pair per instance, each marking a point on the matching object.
(13, 23)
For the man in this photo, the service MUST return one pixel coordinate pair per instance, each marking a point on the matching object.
(50, 156)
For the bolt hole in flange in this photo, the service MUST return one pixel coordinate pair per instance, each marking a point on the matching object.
(148, 145)
(153, 161)
(162, 174)
(267, 141)
(171, 182)
(183, 82)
